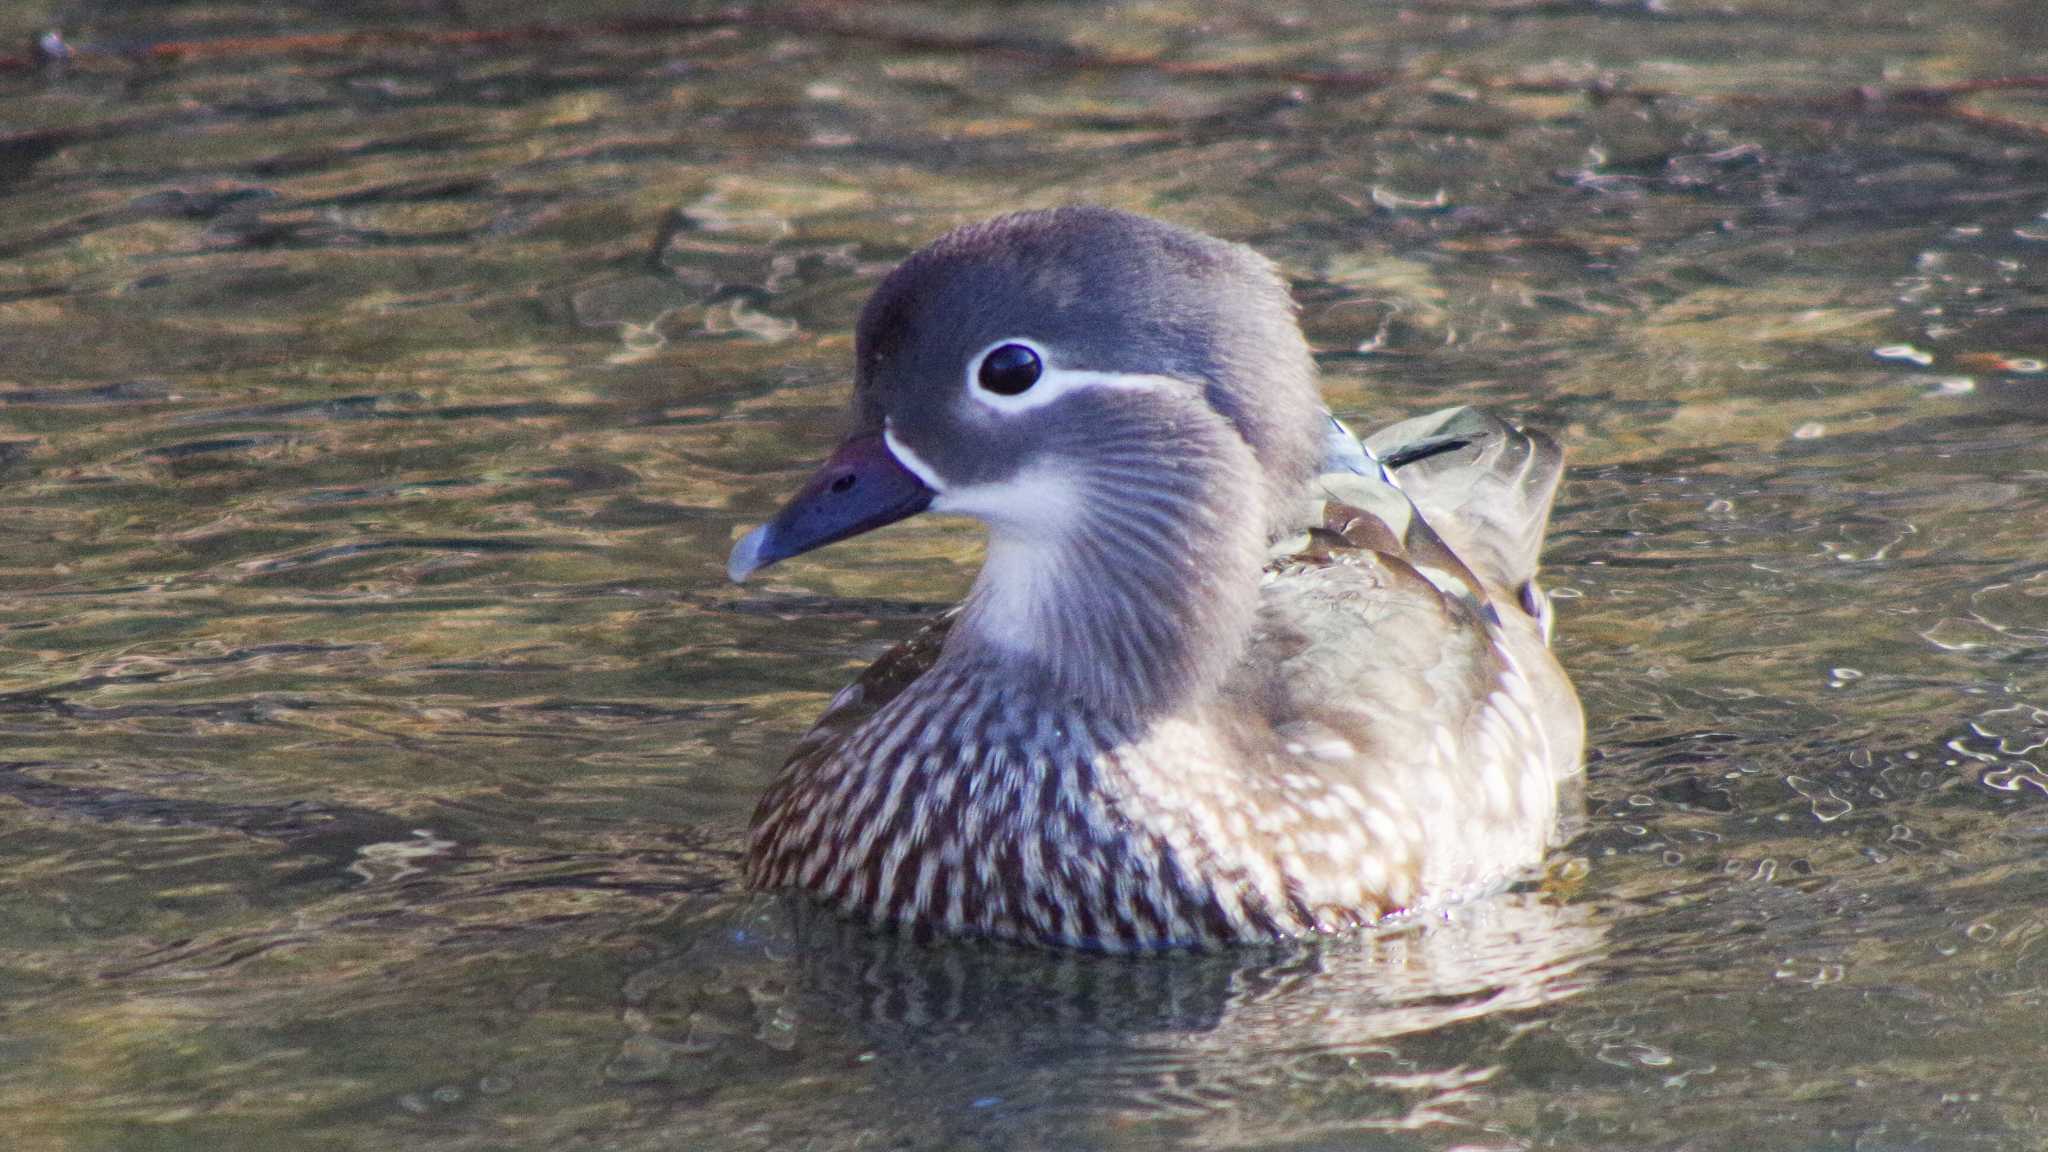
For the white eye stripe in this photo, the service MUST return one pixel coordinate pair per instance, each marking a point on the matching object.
(1053, 382)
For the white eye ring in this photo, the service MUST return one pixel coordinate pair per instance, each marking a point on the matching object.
(1010, 402)
(1010, 368)
(1053, 381)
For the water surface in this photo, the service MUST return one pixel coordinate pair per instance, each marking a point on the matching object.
(377, 729)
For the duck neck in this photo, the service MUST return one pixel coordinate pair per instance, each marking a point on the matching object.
(1120, 582)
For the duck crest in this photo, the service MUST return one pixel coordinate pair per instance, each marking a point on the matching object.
(1151, 724)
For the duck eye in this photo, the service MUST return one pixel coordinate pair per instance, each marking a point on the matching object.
(1010, 369)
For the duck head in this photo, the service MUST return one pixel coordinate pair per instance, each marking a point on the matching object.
(1129, 406)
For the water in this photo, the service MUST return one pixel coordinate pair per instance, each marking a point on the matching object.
(378, 728)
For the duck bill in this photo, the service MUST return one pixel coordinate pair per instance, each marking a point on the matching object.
(862, 487)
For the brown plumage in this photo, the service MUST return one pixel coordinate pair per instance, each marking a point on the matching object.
(1152, 723)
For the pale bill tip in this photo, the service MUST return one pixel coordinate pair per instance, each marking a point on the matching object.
(746, 556)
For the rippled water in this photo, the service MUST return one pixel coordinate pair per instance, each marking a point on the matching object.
(377, 729)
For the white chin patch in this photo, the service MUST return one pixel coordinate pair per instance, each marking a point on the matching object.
(1040, 503)
(1031, 517)
(1040, 499)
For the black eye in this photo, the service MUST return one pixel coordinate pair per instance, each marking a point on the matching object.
(1010, 369)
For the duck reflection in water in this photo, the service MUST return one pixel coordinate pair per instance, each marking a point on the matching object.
(1398, 1027)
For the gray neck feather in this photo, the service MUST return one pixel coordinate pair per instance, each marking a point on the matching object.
(1145, 593)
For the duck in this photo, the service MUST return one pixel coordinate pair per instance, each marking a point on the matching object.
(1228, 674)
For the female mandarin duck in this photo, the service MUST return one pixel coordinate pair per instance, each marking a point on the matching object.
(1223, 677)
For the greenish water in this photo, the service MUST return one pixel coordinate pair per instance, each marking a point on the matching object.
(377, 728)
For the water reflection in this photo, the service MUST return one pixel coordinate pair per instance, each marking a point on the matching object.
(982, 1037)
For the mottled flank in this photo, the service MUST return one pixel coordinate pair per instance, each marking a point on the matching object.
(1403, 750)
(1151, 725)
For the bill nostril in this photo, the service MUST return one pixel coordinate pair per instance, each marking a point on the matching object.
(844, 484)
